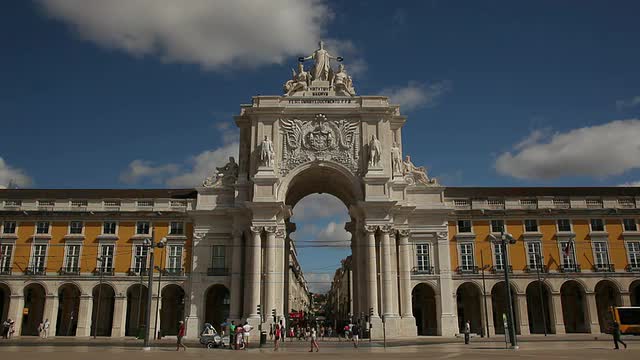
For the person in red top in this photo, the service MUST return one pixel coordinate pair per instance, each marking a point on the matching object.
(277, 336)
(181, 333)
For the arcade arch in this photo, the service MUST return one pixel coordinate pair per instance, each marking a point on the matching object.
(499, 307)
(68, 307)
(539, 309)
(425, 309)
(33, 315)
(574, 307)
(607, 295)
(469, 300)
(217, 302)
(172, 310)
(104, 297)
(634, 292)
(5, 298)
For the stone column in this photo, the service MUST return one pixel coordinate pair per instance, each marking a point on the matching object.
(557, 313)
(523, 314)
(405, 273)
(625, 297)
(119, 316)
(448, 315)
(279, 274)
(394, 268)
(85, 311)
(16, 304)
(489, 314)
(235, 310)
(254, 272)
(593, 313)
(372, 273)
(270, 273)
(51, 313)
(156, 302)
(387, 271)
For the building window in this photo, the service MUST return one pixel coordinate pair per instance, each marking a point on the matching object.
(564, 225)
(106, 252)
(140, 258)
(109, 228)
(72, 259)
(9, 227)
(464, 226)
(534, 255)
(497, 226)
(597, 225)
(467, 262)
(75, 227)
(175, 257)
(142, 228)
(498, 252)
(176, 228)
(42, 227)
(38, 262)
(217, 257)
(633, 249)
(568, 255)
(630, 224)
(423, 263)
(601, 254)
(5, 257)
(531, 225)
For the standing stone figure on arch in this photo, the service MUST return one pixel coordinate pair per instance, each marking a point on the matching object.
(266, 152)
(396, 159)
(375, 150)
(322, 68)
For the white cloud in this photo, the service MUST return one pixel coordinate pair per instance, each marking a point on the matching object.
(204, 165)
(212, 34)
(319, 282)
(142, 169)
(13, 175)
(318, 206)
(597, 151)
(632, 183)
(628, 104)
(416, 95)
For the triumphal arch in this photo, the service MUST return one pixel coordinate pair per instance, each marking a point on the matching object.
(320, 136)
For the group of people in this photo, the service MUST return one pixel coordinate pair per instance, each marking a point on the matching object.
(238, 334)
(8, 328)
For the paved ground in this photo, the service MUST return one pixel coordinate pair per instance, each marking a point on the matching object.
(566, 347)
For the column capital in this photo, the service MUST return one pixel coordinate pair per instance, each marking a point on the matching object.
(270, 229)
(404, 232)
(255, 230)
(442, 235)
(370, 229)
(280, 233)
(385, 229)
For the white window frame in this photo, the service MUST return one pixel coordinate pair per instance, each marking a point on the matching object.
(428, 257)
(604, 225)
(144, 234)
(67, 245)
(99, 265)
(11, 257)
(75, 234)
(635, 221)
(504, 226)
(32, 257)
(564, 231)
(470, 227)
(35, 230)
(14, 233)
(134, 256)
(169, 246)
(183, 228)
(636, 254)
(494, 246)
(524, 226)
(117, 225)
(224, 257)
(533, 265)
(562, 243)
(460, 255)
(595, 253)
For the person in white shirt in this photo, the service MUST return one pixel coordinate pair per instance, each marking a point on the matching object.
(247, 332)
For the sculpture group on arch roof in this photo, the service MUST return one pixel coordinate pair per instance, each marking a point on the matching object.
(321, 72)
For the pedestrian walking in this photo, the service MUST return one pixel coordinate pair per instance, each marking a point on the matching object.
(467, 332)
(314, 340)
(239, 337)
(6, 326)
(276, 334)
(40, 327)
(322, 330)
(617, 335)
(246, 333)
(232, 334)
(181, 333)
(271, 332)
(12, 328)
(292, 334)
(355, 335)
(45, 329)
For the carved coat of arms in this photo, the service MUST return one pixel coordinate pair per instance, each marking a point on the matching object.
(319, 139)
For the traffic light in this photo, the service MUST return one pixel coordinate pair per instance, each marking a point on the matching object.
(273, 313)
(370, 312)
(258, 309)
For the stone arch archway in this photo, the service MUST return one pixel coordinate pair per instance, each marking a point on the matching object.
(425, 309)
(634, 292)
(104, 297)
(469, 304)
(172, 310)
(499, 307)
(539, 308)
(216, 305)
(607, 295)
(5, 298)
(574, 307)
(136, 309)
(68, 307)
(34, 302)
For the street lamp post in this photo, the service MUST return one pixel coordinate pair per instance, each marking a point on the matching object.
(156, 334)
(484, 291)
(505, 240)
(544, 316)
(151, 245)
(100, 270)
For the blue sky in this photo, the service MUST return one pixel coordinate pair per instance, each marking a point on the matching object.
(112, 94)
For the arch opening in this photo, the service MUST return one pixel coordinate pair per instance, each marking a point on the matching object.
(68, 307)
(104, 298)
(423, 299)
(574, 307)
(5, 298)
(217, 303)
(136, 309)
(607, 295)
(172, 310)
(469, 304)
(499, 307)
(634, 292)
(33, 313)
(539, 308)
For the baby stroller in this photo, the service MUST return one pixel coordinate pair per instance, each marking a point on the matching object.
(210, 339)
